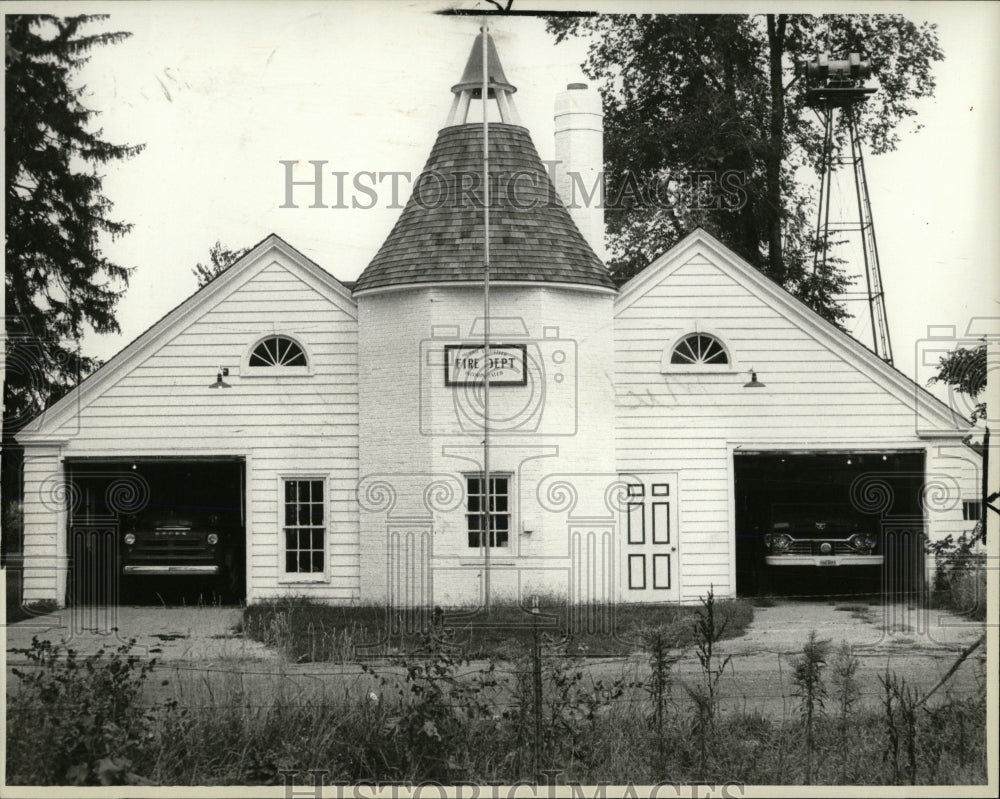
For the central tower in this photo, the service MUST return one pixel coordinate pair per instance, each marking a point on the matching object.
(421, 335)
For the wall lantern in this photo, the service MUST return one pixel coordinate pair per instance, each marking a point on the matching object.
(753, 383)
(219, 382)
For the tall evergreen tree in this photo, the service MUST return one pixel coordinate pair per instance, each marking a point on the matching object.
(57, 281)
(718, 94)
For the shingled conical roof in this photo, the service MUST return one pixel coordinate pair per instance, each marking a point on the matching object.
(439, 235)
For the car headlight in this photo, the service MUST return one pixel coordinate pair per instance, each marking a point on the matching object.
(213, 539)
(778, 544)
(862, 542)
(129, 539)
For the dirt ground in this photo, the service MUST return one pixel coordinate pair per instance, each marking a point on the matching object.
(918, 644)
(204, 661)
(170, 634)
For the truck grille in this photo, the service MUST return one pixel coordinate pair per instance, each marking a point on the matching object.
(812, 548)
(169, 550)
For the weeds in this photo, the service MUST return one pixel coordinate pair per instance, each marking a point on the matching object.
(573, 708)
(660, 643)
(77, 721)
(708, 630)
(808, 678)
(843, 671)
(431, 715)
(425, 734)
(899, 704)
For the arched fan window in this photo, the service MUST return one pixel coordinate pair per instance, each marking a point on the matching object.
(699, 349)
(279, 351)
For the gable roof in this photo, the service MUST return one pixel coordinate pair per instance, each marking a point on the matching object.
(850, 349)
(222, 285)
(438, 237)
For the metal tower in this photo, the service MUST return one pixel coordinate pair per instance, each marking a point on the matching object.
(834, 86)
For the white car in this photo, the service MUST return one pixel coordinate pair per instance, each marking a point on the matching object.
(820, 535)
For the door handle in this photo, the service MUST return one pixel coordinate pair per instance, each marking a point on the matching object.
(673, 549)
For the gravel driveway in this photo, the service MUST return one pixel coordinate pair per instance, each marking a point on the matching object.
(199, 647)
(169, 634)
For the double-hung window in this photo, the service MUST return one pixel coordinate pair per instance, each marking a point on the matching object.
(304, 513)
(499, 510)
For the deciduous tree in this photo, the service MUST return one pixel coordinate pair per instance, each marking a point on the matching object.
(220, 259)
(709, 94)
(964, 369)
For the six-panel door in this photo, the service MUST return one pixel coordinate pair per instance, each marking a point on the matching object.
(649, 533)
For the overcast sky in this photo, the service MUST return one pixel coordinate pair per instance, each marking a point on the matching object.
(221, 92)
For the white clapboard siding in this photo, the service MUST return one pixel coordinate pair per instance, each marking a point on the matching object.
(687, 422)
(44, 523)
(281, 425)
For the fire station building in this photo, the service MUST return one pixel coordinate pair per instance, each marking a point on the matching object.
(639, 437)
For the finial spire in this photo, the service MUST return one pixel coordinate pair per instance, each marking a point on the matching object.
(470, 86)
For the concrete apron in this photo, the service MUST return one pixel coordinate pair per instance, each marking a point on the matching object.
(208, 663)
(167, 634)
(919, 645)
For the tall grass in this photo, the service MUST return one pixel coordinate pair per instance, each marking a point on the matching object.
(253, 739)
(309, 631)
(432, 715)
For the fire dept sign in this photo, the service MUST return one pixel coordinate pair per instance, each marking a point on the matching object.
(465, 364)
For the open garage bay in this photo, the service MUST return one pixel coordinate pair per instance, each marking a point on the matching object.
(875, 493)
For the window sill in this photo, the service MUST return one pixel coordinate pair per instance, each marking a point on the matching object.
(255, 372)
(503, 560)
(312, 580)
(695, 369)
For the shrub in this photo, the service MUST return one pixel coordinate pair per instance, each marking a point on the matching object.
(76, 720)
(960, 573)
(429, 729)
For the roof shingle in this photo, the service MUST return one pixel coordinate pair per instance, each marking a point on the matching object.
(439, 235)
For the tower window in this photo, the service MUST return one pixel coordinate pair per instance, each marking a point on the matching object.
(499, 512)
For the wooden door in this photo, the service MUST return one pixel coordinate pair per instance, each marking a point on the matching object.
(649, 535)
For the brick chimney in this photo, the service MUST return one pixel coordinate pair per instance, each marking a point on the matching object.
(578, 176)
